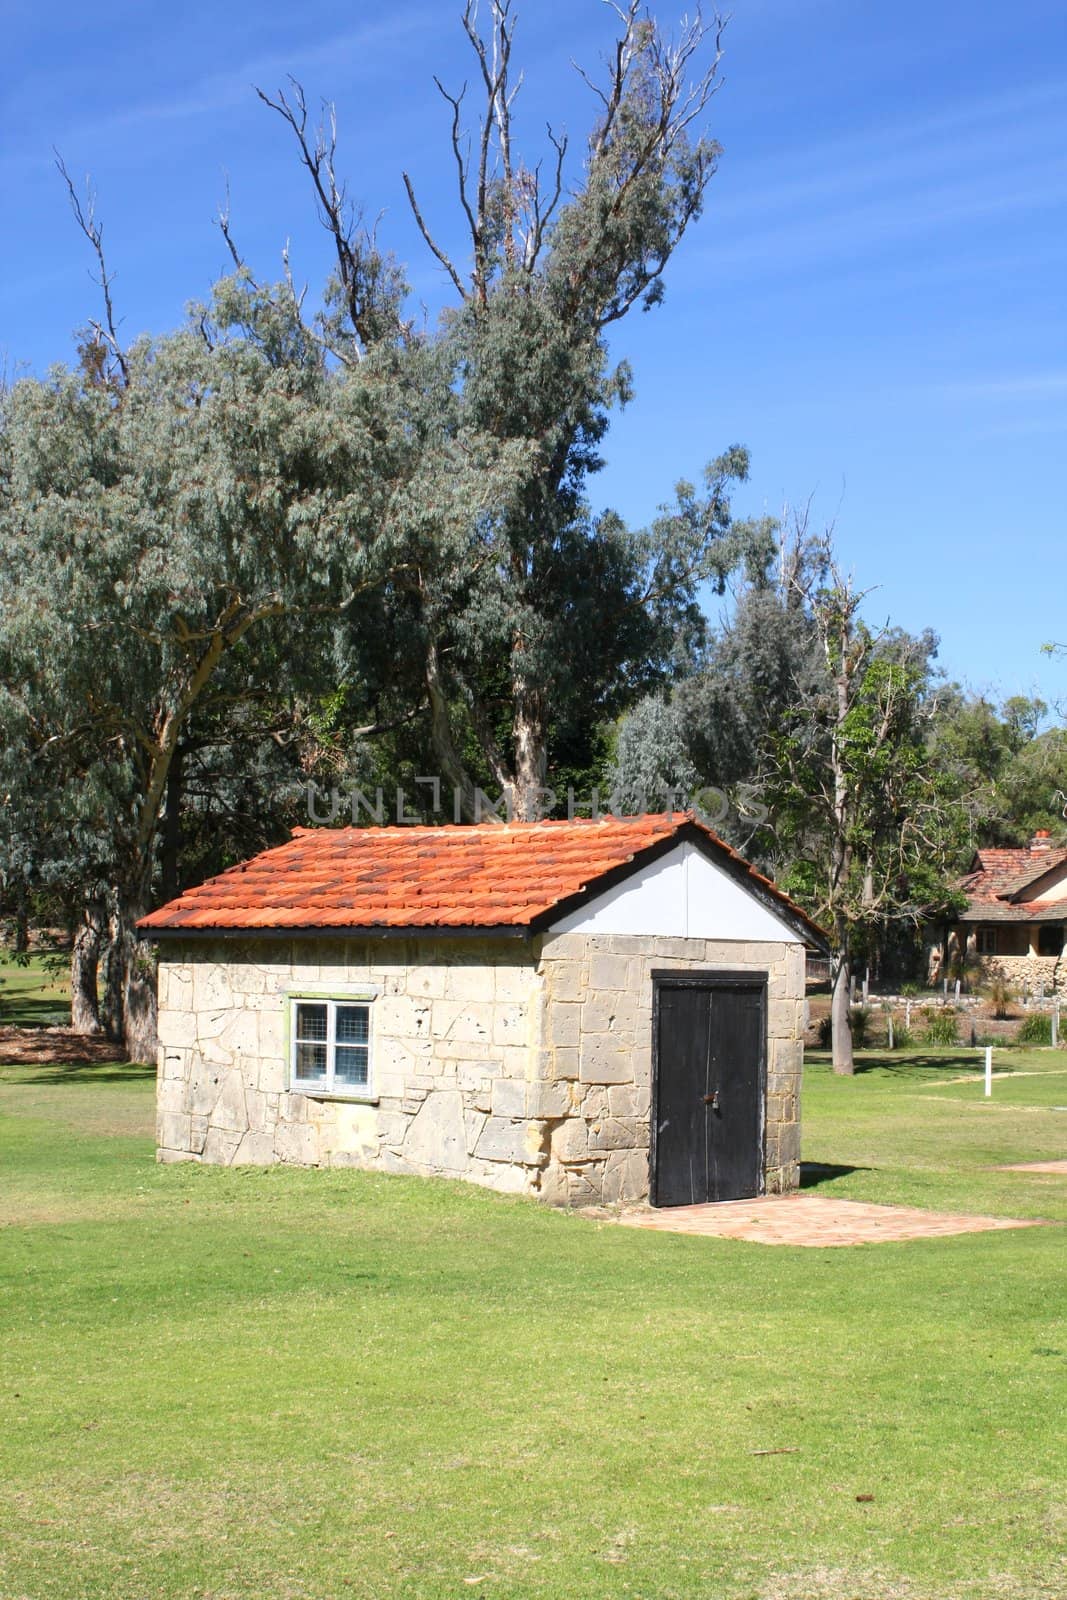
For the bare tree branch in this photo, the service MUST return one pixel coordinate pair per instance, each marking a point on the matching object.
(107, 332)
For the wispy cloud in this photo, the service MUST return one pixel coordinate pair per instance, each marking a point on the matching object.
(354, 53)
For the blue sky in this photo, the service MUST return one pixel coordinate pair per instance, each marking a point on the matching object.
(873, 301)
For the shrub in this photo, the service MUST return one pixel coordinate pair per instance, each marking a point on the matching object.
(909, 990)
(940, 1026)
(860, 1017)
(1000, 995)
(903, 1038)
(1036, 1029)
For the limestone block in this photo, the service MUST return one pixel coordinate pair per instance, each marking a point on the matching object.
(502, 1140)
(259, 1118)
(622, 1100)
(175, 1063)
(604, 1061)
(198, 1127)
(609, 1012)
(436, 1138)
(176, 1029)
(211, 986)
(229, 1110)
(592, 1102)
(255, 1150)
(625, 1177)
(298, 1143)
(173, 1130)
(393, 1127)
(455, 1020)
(169, 1157)
(564, 1024)
(474, 1121)
(569, 1140)
(512, 982)
(783, 1021)
(272, 1075)
(426, 982)
(473, 984)
(611, 1133)
(402, 1016)
(566, 980)
(220, 1146)
(509, 1024)
(566, 1062)
(610, 972)
(271, 1030)
(509, 1097)
(172, 1095)
(548, 1099)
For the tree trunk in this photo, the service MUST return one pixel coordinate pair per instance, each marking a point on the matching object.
(136, 981)
(171, 830)
(530, 753)
(114, 977)
(84, 967)
(22, 926)
(840, 1017)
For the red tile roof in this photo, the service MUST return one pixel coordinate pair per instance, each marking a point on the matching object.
(1001, 874)
(483, 876)
(997, 880)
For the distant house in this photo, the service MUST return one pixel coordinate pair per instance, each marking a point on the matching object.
(587, 1011)
(1015, 919)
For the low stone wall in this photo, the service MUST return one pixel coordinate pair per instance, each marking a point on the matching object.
(523, 1066)
(598, 1044)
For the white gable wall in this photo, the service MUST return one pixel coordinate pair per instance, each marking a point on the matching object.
(682, 895)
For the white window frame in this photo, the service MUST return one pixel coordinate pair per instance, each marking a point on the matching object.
(330, 1090)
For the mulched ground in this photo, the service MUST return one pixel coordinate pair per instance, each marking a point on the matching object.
(813, 1220)
(55, 1046)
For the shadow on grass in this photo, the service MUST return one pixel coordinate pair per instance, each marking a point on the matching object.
(813, 1174)
(907, 1063)
(91, 1072)
(19, 1012)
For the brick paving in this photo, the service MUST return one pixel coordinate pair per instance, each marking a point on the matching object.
(1037, 1166)
(814, 1221)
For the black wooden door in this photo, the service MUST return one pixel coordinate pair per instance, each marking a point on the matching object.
(707, 1103)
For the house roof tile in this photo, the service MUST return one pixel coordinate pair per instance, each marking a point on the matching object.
(482, 876)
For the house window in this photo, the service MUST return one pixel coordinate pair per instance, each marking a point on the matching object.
(331, 1047)
(988, 942)
(1050, 940)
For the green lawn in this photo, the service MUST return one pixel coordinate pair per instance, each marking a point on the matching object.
(304, 1384)
(34, 992)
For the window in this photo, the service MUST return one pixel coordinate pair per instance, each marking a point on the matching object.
(331, 1047)
(988, 941)
(1050, 940)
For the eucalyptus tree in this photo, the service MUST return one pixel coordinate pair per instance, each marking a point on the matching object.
(163, 505)
(547, 606)
(871, 820)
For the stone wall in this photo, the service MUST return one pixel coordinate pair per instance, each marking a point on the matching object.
(451, 1057)
(522, 1065)
(598, 1042)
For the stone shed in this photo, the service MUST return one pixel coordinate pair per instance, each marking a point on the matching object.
(589, 1011)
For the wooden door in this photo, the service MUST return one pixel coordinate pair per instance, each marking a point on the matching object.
(708, 1087)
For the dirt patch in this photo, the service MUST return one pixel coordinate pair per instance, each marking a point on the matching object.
(1059, 1167)
(814, 1220)
(55, 1047)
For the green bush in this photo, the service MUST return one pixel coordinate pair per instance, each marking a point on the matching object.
(1000, 995)
(1036, 1029)
(909, 990)
(940, 1026)
(861, 1027)
(903, 1038)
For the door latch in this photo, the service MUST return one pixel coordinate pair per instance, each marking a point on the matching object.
(712, 1100)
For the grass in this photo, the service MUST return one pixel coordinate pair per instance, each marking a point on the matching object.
(34, 993)
(285, 1383)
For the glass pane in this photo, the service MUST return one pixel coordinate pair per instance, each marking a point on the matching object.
(311, 1063)
(353, 1025)
(311, 1022)
(350, 1066)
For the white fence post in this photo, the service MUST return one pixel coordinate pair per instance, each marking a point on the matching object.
(988, 1070)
